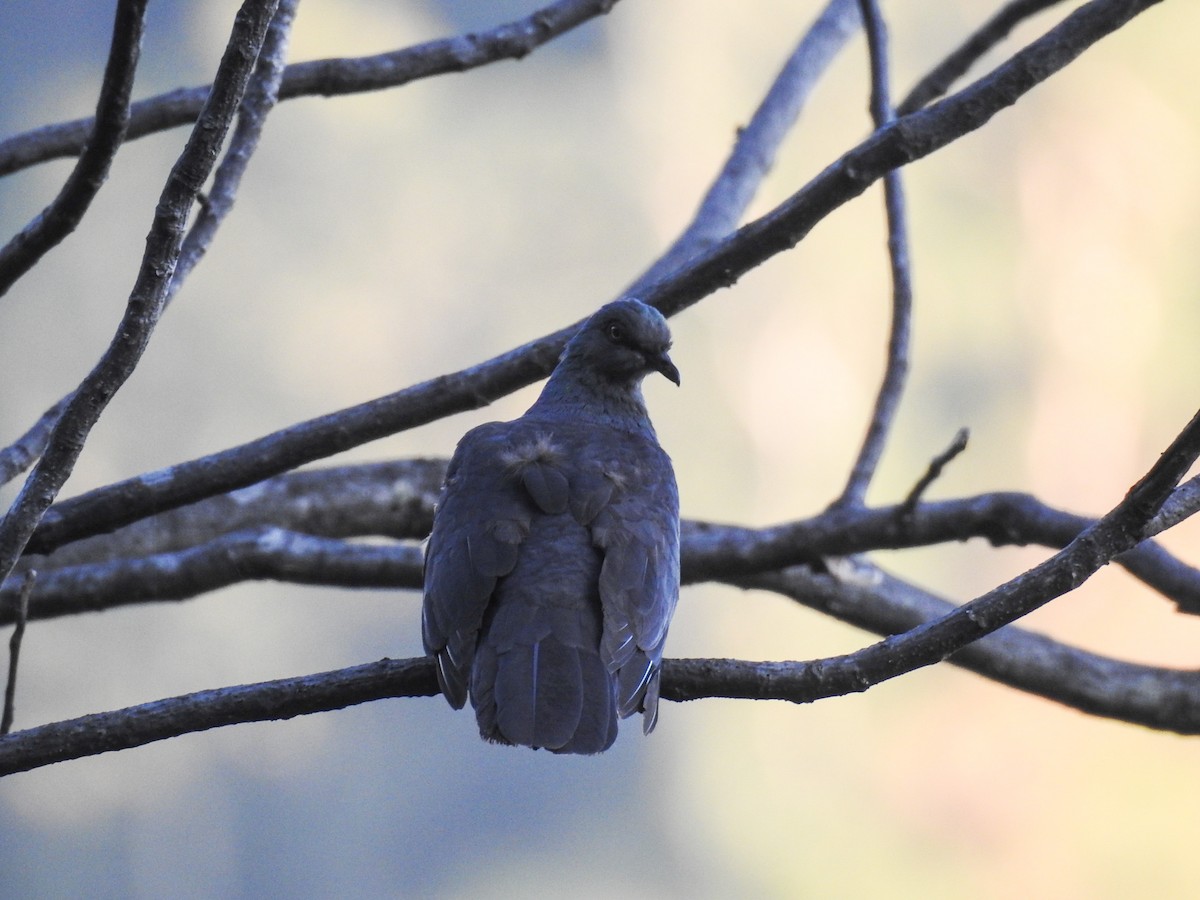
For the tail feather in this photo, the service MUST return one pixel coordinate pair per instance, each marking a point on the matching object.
(544, 695)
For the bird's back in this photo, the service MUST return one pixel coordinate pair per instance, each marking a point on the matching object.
(551, 575)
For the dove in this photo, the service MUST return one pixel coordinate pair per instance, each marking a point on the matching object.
(552, 570)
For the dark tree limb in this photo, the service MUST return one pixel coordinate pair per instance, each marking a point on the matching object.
(905, 140)
(921, 645)
(1160, 698)
(1165, 699)
(395, 500)
(895, 374)
(323, 77)
(391, 499)
(249, 554)
(161, 719)
(1117, 532)
(105, 134)
(149, 292)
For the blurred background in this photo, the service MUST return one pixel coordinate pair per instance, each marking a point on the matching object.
(386, 238)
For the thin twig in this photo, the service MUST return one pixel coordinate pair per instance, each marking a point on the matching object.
(66, 211)
(149, 292)
(895, 373)
(754, 150)
(1183, 503)
(261, 95)
(904, 141)
(14, 649)
(324, 77)
(25, 450)
(954, 66)
(939, 462)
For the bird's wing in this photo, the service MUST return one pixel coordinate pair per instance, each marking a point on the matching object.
(636, 524)
(480, 522)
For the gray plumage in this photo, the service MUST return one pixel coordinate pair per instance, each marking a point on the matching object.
(553, 567)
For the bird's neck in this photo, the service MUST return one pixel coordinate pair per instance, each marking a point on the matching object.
(582, 397)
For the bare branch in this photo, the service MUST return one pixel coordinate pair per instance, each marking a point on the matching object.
(939, 462)
(1183, 503)
(904, 141)
(105, 135)
(14, 650)
(896, 369)
(250, 554)
(259, 99)
(395, 500)
(22, 453)
(1166, 699)
(1119, 531)
(324, 77)
(391, 499)
(754, 150)
(149, 291)
(161, 719)
(1158, 698)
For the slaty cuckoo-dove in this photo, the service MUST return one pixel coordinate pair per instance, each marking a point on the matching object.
(553, 567)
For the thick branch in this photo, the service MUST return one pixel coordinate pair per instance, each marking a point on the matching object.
(283, 699)
(323, 77)
(1165, 699)
(905, 140)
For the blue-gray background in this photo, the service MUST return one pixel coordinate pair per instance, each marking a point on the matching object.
(385, 238)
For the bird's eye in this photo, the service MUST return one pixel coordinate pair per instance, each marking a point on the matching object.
(615, 332)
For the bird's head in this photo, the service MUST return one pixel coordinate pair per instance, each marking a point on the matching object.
(623, 342)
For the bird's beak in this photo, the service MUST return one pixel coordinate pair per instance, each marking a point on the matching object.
(662, 364)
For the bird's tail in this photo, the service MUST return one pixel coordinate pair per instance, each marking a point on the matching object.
(538, 681)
